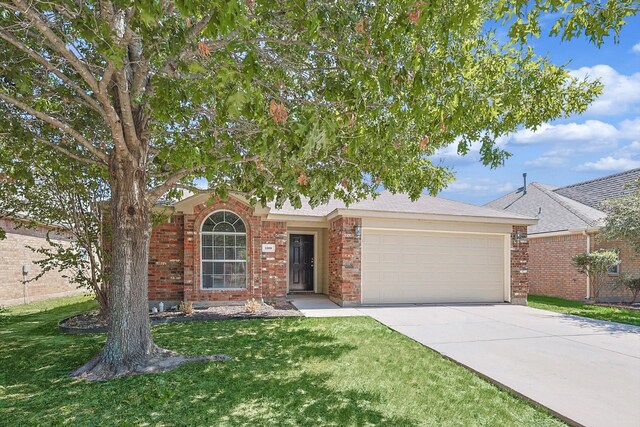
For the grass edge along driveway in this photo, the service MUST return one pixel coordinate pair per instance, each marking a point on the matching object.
(577, 308)
(284, 372)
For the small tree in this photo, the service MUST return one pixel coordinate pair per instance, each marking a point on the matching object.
(623, 217)
(596, 265)
(69, 197)
(632, 283)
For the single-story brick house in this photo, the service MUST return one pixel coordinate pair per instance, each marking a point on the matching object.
(377, 251)
(569, 222)
(15, 254)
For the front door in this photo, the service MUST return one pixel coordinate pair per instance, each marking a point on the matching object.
(301, 260)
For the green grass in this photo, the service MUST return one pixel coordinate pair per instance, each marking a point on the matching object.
(284, 372)
(44, 305)
(613, 314)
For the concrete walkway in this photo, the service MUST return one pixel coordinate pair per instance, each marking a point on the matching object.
(317, 305)
(586, 371)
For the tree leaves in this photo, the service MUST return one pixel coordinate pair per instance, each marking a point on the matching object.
(291, 84)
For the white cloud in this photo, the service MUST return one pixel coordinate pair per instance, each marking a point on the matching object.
(482, 186)
(546, 162)
(610, 163)
(589, 131)
(621, 92)
(636, 48)
(630, 128)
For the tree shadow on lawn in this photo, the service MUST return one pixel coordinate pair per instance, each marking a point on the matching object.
(278, 376)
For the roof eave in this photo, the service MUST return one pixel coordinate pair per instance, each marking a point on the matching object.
(426, 216)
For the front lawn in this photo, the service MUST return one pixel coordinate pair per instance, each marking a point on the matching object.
(577, 308)
(284, 372)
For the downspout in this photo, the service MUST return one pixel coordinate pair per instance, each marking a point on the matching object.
(588, 278)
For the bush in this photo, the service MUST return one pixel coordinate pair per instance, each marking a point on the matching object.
(186, 307)
(596, 265)
(630, 282)
(252, 306)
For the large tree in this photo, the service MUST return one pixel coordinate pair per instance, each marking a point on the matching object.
(273, 99)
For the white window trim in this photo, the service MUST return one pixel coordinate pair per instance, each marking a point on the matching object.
(246, 261)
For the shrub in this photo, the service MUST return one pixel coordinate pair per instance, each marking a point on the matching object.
(596, 265)
(252, 306)
(630, 282)
(186, 307)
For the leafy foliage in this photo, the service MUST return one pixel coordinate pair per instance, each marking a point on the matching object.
(632, 283)
(254, 95)
(69, 197)
(596, 264)
(623, 217)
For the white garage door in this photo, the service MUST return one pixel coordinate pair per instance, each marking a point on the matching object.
(423, 267)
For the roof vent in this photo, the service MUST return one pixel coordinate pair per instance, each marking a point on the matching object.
(523, 189)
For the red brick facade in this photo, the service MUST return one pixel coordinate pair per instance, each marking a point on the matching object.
(344, 261)
(519, 265)
(552, 273)
(174, 260)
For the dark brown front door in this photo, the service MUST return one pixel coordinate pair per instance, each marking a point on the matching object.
(301, 262)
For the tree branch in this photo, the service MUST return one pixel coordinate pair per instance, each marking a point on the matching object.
(69, 153)
(173, 179)
(59, 45)
(58, 124)
(126, 114)
(49, 66)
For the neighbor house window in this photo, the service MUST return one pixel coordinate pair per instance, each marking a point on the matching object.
(616, 268)
(224, 251)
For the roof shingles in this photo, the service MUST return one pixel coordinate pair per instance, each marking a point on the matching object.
(566, 208)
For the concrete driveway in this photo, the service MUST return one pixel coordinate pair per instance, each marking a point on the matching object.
(586, 371)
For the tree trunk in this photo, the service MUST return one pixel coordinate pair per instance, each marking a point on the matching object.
(129, 348)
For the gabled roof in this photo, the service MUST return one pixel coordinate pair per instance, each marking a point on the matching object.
(385, 205)
(595, 191)
(400, 204)
(566, 208)
(555, 212)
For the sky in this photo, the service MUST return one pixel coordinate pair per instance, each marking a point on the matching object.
(603, 140)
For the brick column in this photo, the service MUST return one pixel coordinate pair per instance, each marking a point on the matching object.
(344, 261)
(519, 265)
(274, 264)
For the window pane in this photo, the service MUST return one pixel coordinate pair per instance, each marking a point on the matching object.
(224, 227)
(217, 217)
(208, 225)
(239, 267)
(241, 240)
(207, 253)
(218, 281)
(241, 253)
(218, 253)
(207, 281)
(218, 268)
(207, 239)
(207, 268)
(229, 240)
(229, 253)
(218, 240)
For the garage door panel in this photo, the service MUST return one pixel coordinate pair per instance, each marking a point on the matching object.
(422, 267)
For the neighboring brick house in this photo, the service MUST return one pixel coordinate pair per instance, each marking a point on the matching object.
(14, 254)
(382, 250)
(569, 222)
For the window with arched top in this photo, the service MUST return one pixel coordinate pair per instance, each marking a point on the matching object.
(223, 251)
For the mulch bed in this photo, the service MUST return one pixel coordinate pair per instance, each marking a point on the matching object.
(90, 323)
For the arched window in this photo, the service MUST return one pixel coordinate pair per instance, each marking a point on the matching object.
(223, 251)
